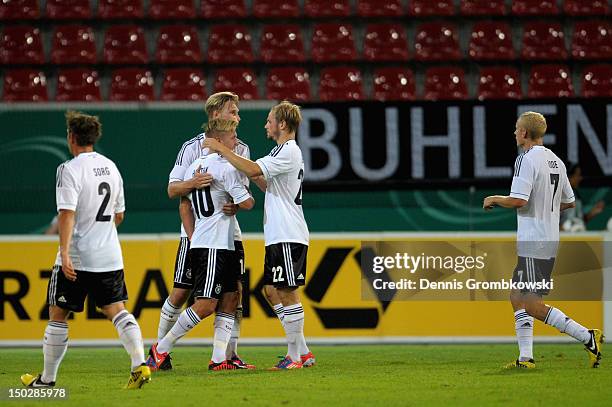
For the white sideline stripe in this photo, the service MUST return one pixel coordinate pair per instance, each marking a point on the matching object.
(278, 341)
(328, 236)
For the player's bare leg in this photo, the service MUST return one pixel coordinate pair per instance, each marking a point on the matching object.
(55, 344)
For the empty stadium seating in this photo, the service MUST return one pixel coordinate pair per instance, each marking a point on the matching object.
(445, 83)
(223, 9)
(125, 44)
(534, 7)
(437, 42)
(132, 85)
(21, 45)
(543, 40)
(491, 41)
(586, 7)
(341, 83)
(393, 83)
(377, 8)
(282, 43)
(288, 83)
(276, 8)
(19, 9)
(241, 81)
(483, 7)
(333, 42)
(592, 40)
(597, 81)
(230, 44)
(178, 44)
(327, 8)
(171, 9)
(78, 85)
(117, 9)
(550, 81)
(68, 9)
(185, 84)
(385, 42)
(73, 44)
(499, 83)
(25, 85)
(423, 8)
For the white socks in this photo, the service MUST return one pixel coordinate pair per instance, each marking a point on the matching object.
(280, 313)
(185, 323)
(223, 329)
(55, 344)
(565, 324)
(524, 334)
(232, 346)
(130, 336)
(167, 318)
(294, 329)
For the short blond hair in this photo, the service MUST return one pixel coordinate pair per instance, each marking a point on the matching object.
(534, 123)
(216, 102)
(289, 113)
(216, 126)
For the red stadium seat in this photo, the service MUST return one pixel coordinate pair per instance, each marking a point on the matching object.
(376, 8)
(25, 85)
(171, 9)
(276, 8)
(491, 41)
(550, 81)
(230, 44)
(282, 43)
(288, 83)
(542, 40)
(68, 9)
(499, 83)
(21, 45)
(592, 40)
(385, 42)
(437, 42)
(223, 9)
(241, 81)
(327, 8)
(423, 8)
(483, 7)
(131, 84)
(183, 84)
(178, 44)
(114, 9)
(78, 85)
(73, 44)
(597, 81)
(534, 7)
(586, 7)
(19, 9)
(341, 83)
(445, 83)
(333, 42)
(394, 83)
(125, 44)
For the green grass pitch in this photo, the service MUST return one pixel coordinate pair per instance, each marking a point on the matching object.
(384, 375)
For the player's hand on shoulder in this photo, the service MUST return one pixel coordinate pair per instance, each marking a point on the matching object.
(230, 209)
(201, 180)
(211, 144)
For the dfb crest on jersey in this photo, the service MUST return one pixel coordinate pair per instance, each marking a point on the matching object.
(218, 289)
(188, 273)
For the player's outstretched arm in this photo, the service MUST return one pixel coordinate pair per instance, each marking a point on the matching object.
(248, 167)
(187, 216)
(65, 221)
(504, 201)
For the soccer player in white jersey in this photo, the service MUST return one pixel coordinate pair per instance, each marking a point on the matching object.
(285, 230)
(221, 105)
(90, 202)
(540, 190)
(214, 262)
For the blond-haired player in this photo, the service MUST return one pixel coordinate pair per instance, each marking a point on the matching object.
(540, 190)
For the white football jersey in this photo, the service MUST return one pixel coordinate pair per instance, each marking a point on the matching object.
(189, 152)
(213, 229)
(540, 178)
(91, 185)
(283, 170)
